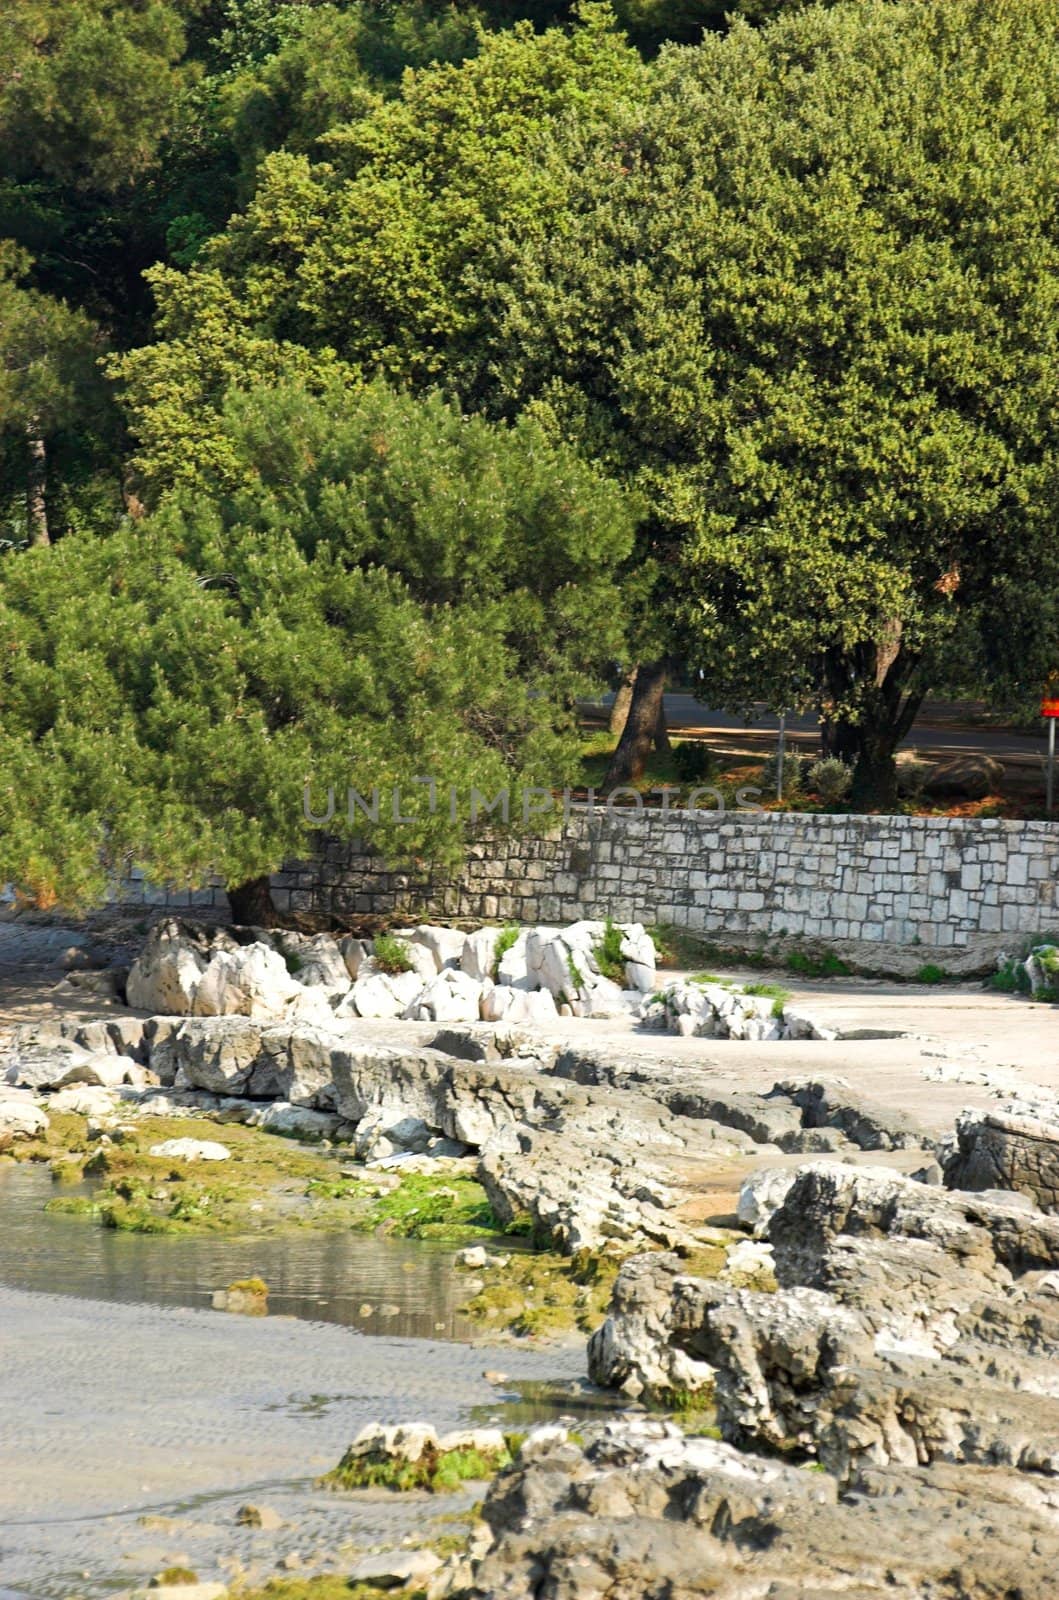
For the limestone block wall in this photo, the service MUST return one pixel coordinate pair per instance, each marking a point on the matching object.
(940, 882)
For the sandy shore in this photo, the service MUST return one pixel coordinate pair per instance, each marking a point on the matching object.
(129, 1435)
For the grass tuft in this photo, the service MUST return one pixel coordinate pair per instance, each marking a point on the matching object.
(607, 952)
(390, 954)
(507, 938)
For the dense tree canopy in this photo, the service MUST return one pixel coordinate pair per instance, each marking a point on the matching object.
(807, 296)
(786, 275)
(385, 257)
(397, 591)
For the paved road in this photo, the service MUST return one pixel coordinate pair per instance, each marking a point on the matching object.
(686, 714)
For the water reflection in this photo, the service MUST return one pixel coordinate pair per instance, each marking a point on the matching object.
(400, 1288)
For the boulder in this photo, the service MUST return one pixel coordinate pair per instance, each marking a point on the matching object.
(165, 976)
(251, 981)
(762, 1194)
(396, 1568)
(452, 996)
(634, 1349)
(964, 777)
(636, 1509)
(218, 1054)
(191, 1150)
(512, 969)
(504, 1003)
(84, 1101)
(1015, 1146)
(354, 953)
(381, 994)
(295, 1064)
(40, 1058)
(479, 954)
(297, 1122)
(20, 1118)
(444, 944)
(318, 961)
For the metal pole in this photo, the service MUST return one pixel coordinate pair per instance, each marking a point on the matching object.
(1051, 765)
(781, 751)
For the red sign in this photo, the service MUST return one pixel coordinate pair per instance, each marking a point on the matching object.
(1050, 708)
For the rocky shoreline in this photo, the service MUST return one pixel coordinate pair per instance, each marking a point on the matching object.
(867, 1368)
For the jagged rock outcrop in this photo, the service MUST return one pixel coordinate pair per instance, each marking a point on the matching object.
(912, 1326)
(640, 1512)
(584, 1168)
(1012, 1146)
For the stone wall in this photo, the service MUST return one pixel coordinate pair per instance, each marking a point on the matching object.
(935, 882)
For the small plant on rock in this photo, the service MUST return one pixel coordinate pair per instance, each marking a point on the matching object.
(391, 954)
(607, 952)
(507, 938)
(832, 779)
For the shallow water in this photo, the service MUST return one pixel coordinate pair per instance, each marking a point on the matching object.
(411, 1286)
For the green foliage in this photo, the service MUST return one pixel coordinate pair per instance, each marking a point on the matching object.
(793, 777)
(824, 965)
(694, 761)
(776, 991)
(832, 779)
(380, 258)
(503, 944)
(87, 88)
(607, 952)
(437, 1471)
(827, 391)
(929, 973)
(577, 977)
(51, 392)
(1010, 978)
(176, 1575)
(391, 955)
(397, 590)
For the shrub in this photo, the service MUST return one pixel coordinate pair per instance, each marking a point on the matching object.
(607, 952)
(694, 762)
(793, 778)
(391, 955)
(507, 938)
(831, 778)
(931, 974)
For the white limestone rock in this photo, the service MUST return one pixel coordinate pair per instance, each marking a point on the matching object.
(382, 994)
(513, 969)
(444, 944)
(20, 1118)
(251, 981)
(191, 1150)
(165, 976)
(479, 954)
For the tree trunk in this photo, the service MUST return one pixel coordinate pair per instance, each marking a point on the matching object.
(629, 761)
(879, 675)
(619, 711)
(37, 488)
(251, 904)
(662, 745)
